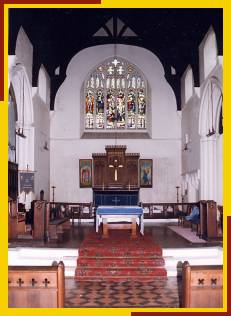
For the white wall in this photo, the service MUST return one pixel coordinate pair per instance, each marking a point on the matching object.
(67, 147)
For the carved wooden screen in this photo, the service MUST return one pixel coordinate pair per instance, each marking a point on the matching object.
(115, 169)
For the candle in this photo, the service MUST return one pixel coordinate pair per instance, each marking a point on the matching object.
(186, 138)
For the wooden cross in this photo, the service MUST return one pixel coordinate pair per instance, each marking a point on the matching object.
(116, 166)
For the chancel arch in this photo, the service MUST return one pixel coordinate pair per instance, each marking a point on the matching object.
(67, 122)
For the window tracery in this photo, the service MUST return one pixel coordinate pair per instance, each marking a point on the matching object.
(115, 97)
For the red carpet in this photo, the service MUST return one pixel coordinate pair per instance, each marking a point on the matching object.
(119, 258)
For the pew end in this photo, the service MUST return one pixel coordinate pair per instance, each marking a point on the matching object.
(202, 286)
(36, 286)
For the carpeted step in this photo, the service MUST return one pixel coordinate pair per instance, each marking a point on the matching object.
(120, 278)
(118, 258)
(120, 251)
(84, 262)
(95, 273)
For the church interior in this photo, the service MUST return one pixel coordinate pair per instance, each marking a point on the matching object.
(115, 158)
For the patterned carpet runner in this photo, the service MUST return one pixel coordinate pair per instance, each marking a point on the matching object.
(119, 258)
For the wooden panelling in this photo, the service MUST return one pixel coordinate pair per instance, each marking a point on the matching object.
(202, 286)
(115, 169)
(30, 286)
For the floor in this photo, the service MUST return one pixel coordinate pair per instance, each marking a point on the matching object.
(73, 238)
(156, 293)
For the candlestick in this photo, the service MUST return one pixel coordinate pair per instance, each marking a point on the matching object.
(186, 138)
(53, 193)
(177, 194)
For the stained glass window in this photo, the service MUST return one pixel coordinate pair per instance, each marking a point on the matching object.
(115, 97)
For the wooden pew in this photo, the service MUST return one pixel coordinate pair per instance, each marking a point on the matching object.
(202, 286)
(31, 286)
(220, 209)
(57, 222)
(57, 227)
(208, 220)
(16, 220)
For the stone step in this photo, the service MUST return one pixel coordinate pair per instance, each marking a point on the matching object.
(45, 256)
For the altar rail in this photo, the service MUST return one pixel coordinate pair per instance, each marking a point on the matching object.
(80, 210)
(165, 210)
(47, 214)
(77, 210)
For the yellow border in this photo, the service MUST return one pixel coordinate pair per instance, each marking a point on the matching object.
(4, 157)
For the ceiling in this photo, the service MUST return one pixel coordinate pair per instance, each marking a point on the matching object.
(172, 34)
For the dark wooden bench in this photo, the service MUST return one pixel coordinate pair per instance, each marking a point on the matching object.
(57, 227)
(33, 286)
(202, 286)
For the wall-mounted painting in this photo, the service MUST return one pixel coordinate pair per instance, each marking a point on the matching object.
(85, 173)
(146, 173)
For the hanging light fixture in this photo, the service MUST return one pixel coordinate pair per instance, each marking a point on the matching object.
(20, 130)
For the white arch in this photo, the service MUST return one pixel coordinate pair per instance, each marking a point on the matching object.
(23, 95)
(204, 107)
(211, 149)
(161, 96)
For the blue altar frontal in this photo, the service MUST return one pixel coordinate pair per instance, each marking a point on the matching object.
(120, 212)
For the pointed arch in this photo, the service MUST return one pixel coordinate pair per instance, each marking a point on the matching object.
(211, 140)
(25, 117)
(210, 107)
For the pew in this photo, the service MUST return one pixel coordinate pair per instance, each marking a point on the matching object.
(57, 227)
(31, 286)
(202, 286)
(16, 220)
(220, 209)
(58, 222)
(208, 220)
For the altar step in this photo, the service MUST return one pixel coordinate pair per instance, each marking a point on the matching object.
(26, 256)
(120, 262)
(173, 257)
(123, 273)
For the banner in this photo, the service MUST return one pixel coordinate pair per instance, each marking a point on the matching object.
(26, 182)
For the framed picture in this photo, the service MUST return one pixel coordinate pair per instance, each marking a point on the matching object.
(146, 173)
(85, 173)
